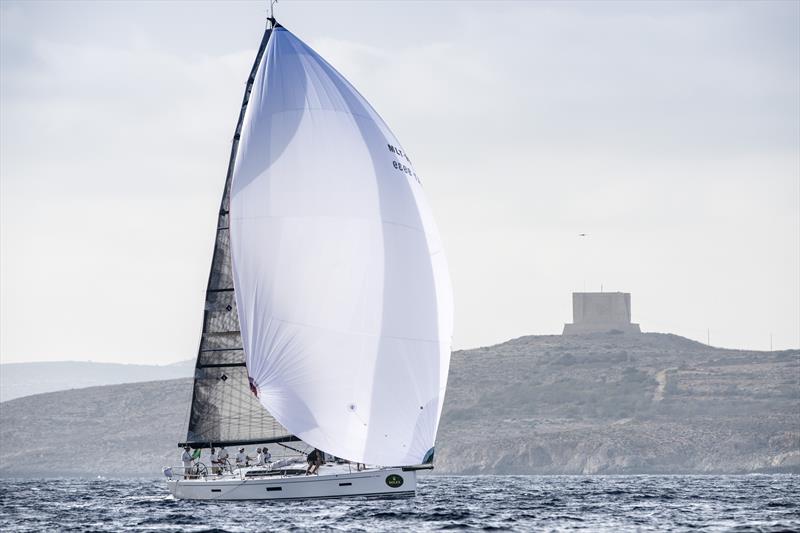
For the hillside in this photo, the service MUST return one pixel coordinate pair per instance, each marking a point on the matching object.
(115, 430)
(649, 403)
(24, 379)
(608, 404)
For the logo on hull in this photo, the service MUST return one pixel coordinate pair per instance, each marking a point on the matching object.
(394, 481)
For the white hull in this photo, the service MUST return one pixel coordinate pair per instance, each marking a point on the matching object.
(326, 485)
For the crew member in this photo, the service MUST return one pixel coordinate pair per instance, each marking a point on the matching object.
(222, 457)
(214, 461)
(242, 459)
(186, 459)
(263, 456)
(314, 460)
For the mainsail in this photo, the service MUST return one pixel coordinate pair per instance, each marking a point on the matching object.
(223, 410)
(341, 283)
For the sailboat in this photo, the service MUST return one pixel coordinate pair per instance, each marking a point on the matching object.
(328, 314)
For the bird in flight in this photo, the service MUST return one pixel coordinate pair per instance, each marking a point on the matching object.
(582, 234)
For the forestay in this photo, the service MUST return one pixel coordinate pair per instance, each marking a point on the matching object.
(341, 283)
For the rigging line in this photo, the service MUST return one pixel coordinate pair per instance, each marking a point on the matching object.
(291, 448)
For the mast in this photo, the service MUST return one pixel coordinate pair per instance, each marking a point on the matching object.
(223, 411)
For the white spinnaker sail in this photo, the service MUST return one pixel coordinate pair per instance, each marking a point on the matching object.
(342, 286)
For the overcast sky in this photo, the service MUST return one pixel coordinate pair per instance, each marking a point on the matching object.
(668, 132)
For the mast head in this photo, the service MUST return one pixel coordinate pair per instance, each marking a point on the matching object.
(271, 22)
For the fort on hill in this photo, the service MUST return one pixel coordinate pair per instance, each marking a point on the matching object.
(601, 312)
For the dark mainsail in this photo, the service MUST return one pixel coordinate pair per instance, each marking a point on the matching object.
(224, 411)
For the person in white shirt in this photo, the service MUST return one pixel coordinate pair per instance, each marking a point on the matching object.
(186, 459)
(242, 458)
(214, 461)
(222, 456)
(263, 456)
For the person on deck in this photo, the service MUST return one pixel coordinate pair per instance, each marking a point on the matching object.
(314, 460)
(263, 456)
(214, 461)
(186, 459)
(311, 458)
(242, 459)
(259, 458)
(222, 457)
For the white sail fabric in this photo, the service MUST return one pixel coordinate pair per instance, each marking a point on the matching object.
(341, 283)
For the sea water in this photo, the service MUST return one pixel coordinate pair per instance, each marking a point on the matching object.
(513, 503)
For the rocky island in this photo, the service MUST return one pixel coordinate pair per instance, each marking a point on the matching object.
(605, 403)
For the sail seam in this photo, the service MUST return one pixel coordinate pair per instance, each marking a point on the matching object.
(387, 222)
(355, 332)
(332, 110)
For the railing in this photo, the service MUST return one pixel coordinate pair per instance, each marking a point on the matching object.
(280, 467)
(196, 471)
(199, 470)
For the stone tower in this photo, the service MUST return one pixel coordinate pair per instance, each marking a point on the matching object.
(601, 312)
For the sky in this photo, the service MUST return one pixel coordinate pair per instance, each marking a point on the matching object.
(669, 133)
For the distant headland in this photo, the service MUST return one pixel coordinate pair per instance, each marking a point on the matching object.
(601, 403)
